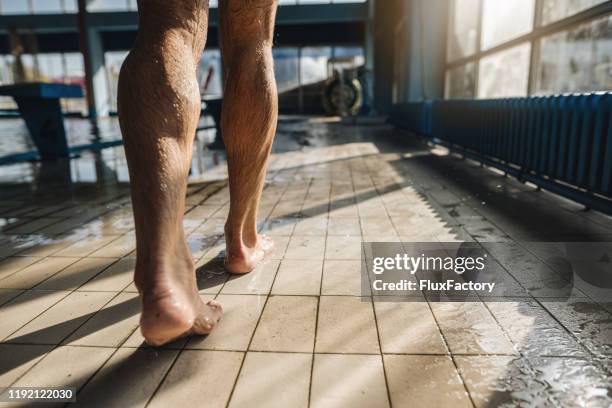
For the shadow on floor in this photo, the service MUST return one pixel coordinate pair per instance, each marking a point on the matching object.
(524, 210)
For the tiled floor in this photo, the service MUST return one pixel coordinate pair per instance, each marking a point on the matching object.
(298, 331)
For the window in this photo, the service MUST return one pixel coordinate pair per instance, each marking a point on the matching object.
(313, 64)
(528, 47)
(286, 68)
(15, 7)
(6, 77)
(38, 6)
(51, 68)
(47, 6)
(356, 52)
(108, 5)
(464, 29)
(112, 62)
(6, 69)
(577, 60)
(553, 10)
(75, 69)
(70, 6)
(505, 73)
(209, 73)
(74, 74)
(461, 81)
(505, 20)
(29, 65)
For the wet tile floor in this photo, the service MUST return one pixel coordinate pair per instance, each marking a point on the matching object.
(298, 331)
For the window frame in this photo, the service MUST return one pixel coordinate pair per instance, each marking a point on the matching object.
(534, 37)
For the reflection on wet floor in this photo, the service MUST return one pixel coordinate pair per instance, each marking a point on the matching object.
(298, 330)
(100, 166)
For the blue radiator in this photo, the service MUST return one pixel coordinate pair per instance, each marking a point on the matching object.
(562, 143)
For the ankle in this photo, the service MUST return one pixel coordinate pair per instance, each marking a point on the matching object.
(233, 234)
(235, 249)
(152, 275)
(241, 236)
(250, 237)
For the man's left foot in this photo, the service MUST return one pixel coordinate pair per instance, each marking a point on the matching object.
(240, 259)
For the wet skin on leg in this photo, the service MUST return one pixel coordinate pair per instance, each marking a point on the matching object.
(159, 108)
(248, 122)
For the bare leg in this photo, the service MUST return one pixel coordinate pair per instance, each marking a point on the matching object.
(159, 107)
(248, 120)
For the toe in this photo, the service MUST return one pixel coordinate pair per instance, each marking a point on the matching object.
(267, 244)
(209, 317)
(215, 305)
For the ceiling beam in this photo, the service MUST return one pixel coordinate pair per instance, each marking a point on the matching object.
(128, 20)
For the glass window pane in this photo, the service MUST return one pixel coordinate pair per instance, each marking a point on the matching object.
(209, 73)
(113, 61)
(356, 52)
(505, 20)
(553, 10)
(75, 75)
(70, 6)
(286, 68)
(75, 69)
(51, 67)
(107, 5)
(505, 73)
(313, 65)
(46, 6)
(6, 69)
(6, 77)
(579, 60)
(15, 7)
(464, 29)
(29, 67)
(461, 81)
